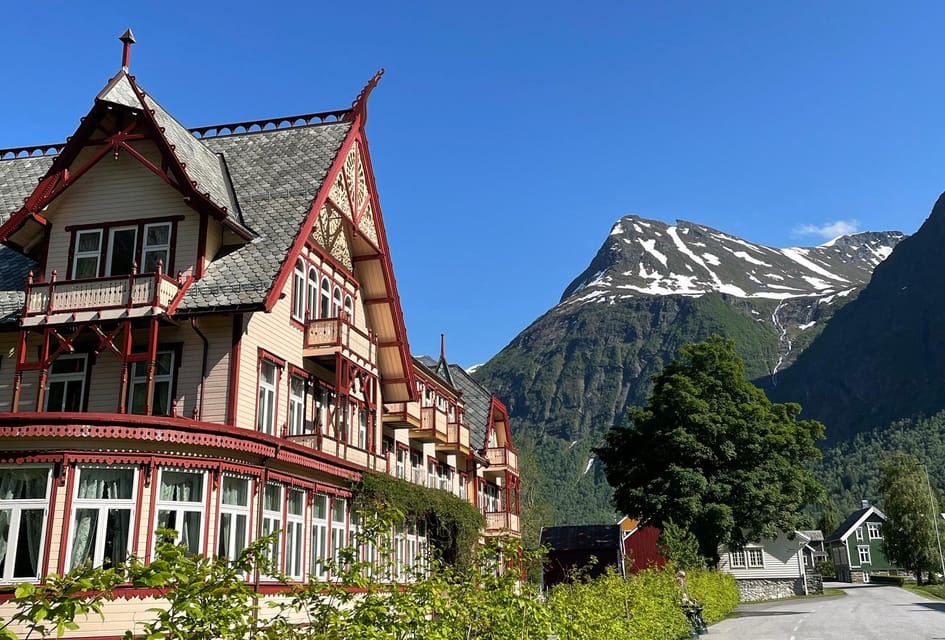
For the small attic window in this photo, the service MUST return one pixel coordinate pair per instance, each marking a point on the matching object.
(298, 291)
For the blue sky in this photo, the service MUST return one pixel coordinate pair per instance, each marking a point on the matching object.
(507, 138)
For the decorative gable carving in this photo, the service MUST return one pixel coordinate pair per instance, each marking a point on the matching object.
(350, 195)
(329, 234)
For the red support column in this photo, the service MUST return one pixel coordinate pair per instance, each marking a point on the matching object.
(43, 373)
(152, 364)
(125, 357)
(18, 373)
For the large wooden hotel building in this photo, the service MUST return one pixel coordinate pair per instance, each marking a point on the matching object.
(200, 329)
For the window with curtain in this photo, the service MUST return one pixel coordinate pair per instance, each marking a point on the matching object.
(272, 519)
(336, 302)
(102, 513)
(339, 523)
(296, 405)
(362, 427)
(318, 552)
(325, 298)
(156, 248)
(88, 251)
(295, 511)
(349, 309)
(163, 384)
(24, 505)
(233, 530)
(312, 300)
(266, 401)
(181, 506)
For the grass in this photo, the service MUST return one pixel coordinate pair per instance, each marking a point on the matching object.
(936, 591)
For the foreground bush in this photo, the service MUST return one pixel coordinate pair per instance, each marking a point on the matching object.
(716, 590)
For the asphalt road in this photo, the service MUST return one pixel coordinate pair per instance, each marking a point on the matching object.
(867, 612)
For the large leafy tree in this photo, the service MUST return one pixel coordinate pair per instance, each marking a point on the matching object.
(711, 453)
(909, 532)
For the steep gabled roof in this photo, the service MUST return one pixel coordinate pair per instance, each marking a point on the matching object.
(853, 521)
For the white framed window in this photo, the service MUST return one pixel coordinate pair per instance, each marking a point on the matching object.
(859, 533)
(339, 525)
(336, 302)
(401, 463)
(312, 300)
(463, 486)
(181, 504)
(431, 474)
(755, 557)
(24, 507)
(233, 530)
(266, 399)
(156, 248)
(122, 245)
(325, 298)
(737, 559)
(874, 530)
(296, 405)
(298, 291)
(88, 253)
(349, 309)
(416, 467)
(362, 427)
(294, 523)
(272, 519)
(102, 512)
(864, 553)
(65, 384)
(163, 385)
(318, 551)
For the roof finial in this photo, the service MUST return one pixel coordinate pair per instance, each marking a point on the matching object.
(360, 103)
(443, 347)
(128, 39)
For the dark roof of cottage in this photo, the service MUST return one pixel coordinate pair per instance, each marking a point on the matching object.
(852, 521)
(265, 180)
(815, 535)
(581, 537)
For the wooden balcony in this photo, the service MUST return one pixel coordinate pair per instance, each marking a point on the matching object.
(402, 415)
(502, 522)
(501, 459)
(129, 296)
(330, 336)
(433, 426)
(457, 439)
(350, 453)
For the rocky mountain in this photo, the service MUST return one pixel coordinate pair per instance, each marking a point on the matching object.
(882, 357)
(652, 288)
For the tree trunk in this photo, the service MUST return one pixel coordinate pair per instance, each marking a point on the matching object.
(918, 577)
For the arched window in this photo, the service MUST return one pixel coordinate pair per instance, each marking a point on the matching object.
(298, 291)
(312, 308)
(349, 308)
(326, 298)
(336, 302)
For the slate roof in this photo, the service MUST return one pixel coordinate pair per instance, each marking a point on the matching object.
(581, 537)
(275, 177)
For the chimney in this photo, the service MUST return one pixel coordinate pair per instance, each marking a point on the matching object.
(864, 504)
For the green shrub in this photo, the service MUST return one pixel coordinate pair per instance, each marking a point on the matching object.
(896, 580)
(716, 590)
(826, 568)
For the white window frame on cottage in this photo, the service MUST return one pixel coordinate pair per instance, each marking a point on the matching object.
(83, 257)
(318, 553)
(339, 525)
(859, 533)
(336, 302)
(737, 559)
(296, 405)
(16, 513)
(863, 553)
(163, 385)
(68, 380)
(349, 308)
(96, 515)
(178, 512)
(266, 396)
(298, 291)
(874, 529)
(153, 251)
(294, 538)
(236, 494)
(324, 300)
(312, 301)
(755, 557)
(273, 503)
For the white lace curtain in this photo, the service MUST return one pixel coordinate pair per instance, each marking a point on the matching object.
(23, 484)
(103, 486)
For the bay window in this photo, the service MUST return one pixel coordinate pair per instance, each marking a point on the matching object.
(24, 506)
(339, 522)
(65, 384)
(163, 386)
(296, 405)
(266, 400)
(181, 505)
(88, 253)
(318, 552)
(115, 250)
(272, 519)
(295, 511)
(156, 248)
(102, 513)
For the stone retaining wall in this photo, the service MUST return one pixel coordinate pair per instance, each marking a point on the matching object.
(815, 583)
(770, 588)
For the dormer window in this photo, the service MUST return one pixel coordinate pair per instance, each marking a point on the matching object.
(114, 250)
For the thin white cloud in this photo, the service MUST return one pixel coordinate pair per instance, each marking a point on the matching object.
(829, 230)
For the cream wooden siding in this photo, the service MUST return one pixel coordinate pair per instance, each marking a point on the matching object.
(122, 190)
(8, 346)
(56, 539)
(781, 556)
(219, 333)
(214, 240)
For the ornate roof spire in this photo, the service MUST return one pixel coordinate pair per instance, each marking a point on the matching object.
(359, 106)
(128, 38)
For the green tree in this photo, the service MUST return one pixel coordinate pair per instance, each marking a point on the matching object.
(680, 547)
(711, 453)
(909, 531)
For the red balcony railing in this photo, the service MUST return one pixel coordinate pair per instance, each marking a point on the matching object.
(327, 336)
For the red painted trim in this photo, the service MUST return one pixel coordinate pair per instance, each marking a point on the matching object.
(155, 472)
(234, 381)
(136, 535)
(126, 223)
(271, 357)
(66, 516)
(53, 495)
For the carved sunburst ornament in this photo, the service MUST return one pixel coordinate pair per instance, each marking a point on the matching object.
(350, 195)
